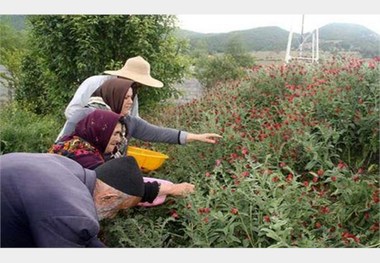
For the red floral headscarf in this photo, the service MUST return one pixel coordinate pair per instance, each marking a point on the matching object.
(97, 128)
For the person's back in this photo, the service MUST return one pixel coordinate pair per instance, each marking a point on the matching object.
(81, 98)
(46, 201)
(84, 92)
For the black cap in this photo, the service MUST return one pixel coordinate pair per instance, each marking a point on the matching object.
(122, 174)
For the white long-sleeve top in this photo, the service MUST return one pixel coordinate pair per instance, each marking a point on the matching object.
(83, 94)
(86, 89)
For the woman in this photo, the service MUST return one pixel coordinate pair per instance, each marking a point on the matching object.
(117, 95)
(95, 136)
(98, 135)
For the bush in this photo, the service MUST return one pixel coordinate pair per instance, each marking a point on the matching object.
(297, 165)
(217, 69)
(24, 131)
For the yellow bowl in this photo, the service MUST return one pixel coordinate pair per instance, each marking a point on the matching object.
(147, 160)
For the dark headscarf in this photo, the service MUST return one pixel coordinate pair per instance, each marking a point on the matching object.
(97, 128)
(113, 92)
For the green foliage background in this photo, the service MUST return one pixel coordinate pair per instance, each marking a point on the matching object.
(64, 50)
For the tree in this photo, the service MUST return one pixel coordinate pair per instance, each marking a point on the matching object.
(66, 49)
(236, 49)
(231, 65)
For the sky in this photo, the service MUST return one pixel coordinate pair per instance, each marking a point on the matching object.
(226, 23)
(216, 16)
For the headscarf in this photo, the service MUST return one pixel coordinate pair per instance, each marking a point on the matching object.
(113, 92)
(97, 128)
(86, 145)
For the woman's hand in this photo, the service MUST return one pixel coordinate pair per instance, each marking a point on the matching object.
(204, 137)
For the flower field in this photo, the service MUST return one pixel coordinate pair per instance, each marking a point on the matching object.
(298, 165)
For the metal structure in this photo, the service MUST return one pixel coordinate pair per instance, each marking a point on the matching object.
(308, 50)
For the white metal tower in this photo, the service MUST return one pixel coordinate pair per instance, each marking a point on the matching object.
(307, 50)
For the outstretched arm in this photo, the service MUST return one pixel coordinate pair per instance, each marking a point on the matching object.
(204, 137)
(142, 130)
(182, 189)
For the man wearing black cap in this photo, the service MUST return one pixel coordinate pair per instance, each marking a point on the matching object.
(48, 200)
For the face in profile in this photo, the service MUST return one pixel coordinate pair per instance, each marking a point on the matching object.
(109, 201)
(115, 138)
(127, 104)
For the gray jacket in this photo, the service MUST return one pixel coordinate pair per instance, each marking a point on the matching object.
(46, 201)
(137, 128)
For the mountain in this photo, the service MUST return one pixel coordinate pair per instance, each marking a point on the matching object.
(333, 37)
(350, 37)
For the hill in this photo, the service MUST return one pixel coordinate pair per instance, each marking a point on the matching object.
(333, 37)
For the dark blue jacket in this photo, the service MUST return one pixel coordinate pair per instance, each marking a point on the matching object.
(46, 201)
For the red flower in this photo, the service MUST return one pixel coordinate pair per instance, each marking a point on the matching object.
(207, 174)
(375, 227)
(234, 156)
(333, 178)
(318, 225)
(205, 210)
(306, 183)
(366, 215)
(375, 197)
(275, 179)
(174, 214)
(266, 219)
(341, 165)
(347, 235)
(325, 209)
(244, 151)
(282, 164)
(320, 172)
(289, 178)
(234, 211)
(245, 174)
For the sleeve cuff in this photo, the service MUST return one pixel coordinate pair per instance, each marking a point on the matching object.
(151, 191)
(182, 137)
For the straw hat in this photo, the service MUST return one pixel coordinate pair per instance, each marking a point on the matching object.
(137, 69)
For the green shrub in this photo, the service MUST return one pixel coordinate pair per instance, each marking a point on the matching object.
(64, 50)
(297, 165)
(217, 69)
(24, 131)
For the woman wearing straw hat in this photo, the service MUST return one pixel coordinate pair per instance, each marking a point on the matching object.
(135, 68)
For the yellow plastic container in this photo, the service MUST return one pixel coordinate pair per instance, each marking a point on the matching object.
(147, 160)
